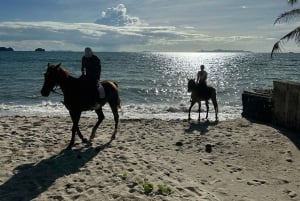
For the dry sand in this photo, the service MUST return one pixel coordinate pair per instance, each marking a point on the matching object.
(247, 161)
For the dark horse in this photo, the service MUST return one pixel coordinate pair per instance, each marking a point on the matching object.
(203, 93)
(79, 97)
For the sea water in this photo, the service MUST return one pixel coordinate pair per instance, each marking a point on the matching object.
(151, 84)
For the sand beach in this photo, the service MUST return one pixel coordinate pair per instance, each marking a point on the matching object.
(150, 159)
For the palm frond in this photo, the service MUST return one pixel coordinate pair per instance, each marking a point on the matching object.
(276, 48)
(292, 2)
(293, 35)
(287, 16)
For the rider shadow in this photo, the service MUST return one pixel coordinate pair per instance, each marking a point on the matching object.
(30, 180)
(200, 127)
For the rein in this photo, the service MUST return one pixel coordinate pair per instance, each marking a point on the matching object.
(54, 90)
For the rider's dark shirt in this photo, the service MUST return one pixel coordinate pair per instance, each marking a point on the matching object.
(91, 68)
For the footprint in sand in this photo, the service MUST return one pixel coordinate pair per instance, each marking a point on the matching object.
(256, 182)
(290, 193)
(207, 162)
(234, 169)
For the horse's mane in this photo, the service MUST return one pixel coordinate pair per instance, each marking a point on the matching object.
(59, 69)
(64, 71)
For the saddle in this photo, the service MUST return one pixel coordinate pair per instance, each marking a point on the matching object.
(203, 90)
(101, 91)
(95, 88)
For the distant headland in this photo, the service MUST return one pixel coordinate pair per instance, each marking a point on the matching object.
(9, 49)
(221, 50)
(6, 49)
(40, 50)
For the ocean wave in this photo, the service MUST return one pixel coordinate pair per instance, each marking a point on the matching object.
(130, 111)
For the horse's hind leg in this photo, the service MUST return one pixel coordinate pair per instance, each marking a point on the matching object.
(100, 119)
(114, 110)
(199, 110)
(215, 103)
(207, 109)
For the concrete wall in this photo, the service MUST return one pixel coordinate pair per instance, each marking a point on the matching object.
(286, 97)
(257, 106)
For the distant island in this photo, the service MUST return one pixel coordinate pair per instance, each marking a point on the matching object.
(40, 50)
(6, 49)
(221, 50)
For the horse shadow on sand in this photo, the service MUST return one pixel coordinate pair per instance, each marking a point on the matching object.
(30, 180)
(200, 126)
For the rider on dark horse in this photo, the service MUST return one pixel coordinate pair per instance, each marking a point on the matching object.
(201, 80)
(91, 71)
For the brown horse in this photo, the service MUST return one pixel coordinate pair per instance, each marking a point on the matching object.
(202, 94)
(79, 97)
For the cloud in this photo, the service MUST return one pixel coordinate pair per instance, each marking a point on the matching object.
(117, 16)
(106, 38)
(76, 36)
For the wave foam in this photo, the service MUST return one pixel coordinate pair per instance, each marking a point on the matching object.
(131, 111)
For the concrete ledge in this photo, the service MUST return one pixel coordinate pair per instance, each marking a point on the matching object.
(286, 111)
(257, 105)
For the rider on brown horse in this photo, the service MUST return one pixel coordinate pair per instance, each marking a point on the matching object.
(201, 80)
(91, 71)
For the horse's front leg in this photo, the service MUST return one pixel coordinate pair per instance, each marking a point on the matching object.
(207, 109)
(75, 116)
(192, 104)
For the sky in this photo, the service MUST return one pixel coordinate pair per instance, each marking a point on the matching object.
(149, 25)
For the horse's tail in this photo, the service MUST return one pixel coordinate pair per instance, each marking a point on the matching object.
(116, 86)
(112, 92)
(118, 96)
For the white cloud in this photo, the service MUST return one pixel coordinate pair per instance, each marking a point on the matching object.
(75, 36)
(106, 38)
(117, 16)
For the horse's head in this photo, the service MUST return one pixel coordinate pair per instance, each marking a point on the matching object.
(191, 85)
(52, 78)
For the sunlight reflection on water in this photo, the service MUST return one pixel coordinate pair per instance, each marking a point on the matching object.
(150, 82)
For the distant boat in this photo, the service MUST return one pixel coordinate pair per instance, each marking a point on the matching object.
(6, 49)
(40, 50)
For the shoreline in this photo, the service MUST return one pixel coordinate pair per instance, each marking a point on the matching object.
(247, 160)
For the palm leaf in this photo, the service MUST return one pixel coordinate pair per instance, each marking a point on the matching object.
(285, 17)
(292, 2)
(293, 35)
(276, 48)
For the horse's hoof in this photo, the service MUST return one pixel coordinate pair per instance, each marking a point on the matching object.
(69, 148)
(88, 144)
